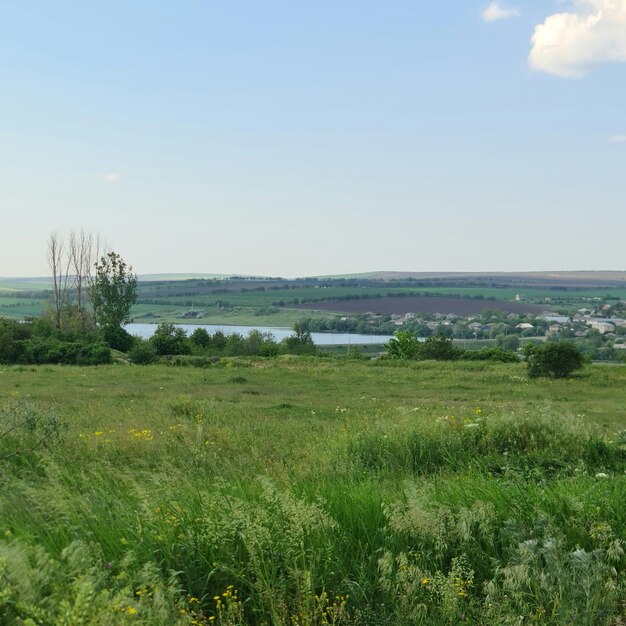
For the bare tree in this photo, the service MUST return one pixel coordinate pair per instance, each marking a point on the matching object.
(72, 265)
(59, 266)
(84, 250)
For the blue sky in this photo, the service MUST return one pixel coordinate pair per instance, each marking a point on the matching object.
(287, 138)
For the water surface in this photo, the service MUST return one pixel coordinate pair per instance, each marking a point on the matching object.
(321, 339)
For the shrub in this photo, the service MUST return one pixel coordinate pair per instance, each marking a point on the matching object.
(169, 339)
(439, 348)
(24, 427)
(142, 353)
(118, 338)
(200, 337)
(491, 354)
(40, 350)
(553, 360)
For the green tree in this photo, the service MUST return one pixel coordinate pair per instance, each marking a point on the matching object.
(300, 343)
(114, 290)
(553, 360)
(403, 345)
(169, 339)
(508, 342)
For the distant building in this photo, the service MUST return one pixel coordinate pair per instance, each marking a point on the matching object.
(601, 326)
(525, 326)
(520, 297)
(555, 319)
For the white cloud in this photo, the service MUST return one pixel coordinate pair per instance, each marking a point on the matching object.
(570, 44)
(495, 12)
(110, 178)
(618, 139)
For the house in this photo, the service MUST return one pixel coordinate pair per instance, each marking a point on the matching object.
(525, 326)
(601, 326)
(555, 328)
(555, 319)
(520, 297)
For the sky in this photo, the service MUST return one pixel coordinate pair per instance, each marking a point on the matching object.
(307, 138)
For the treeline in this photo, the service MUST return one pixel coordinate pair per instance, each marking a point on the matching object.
(388, 294)
(170, 340)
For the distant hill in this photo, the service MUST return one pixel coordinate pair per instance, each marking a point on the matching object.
(581, 278)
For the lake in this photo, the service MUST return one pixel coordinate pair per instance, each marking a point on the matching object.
(321, 339)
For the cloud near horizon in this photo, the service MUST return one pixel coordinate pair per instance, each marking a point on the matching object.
(496, 12)
(570, 44)
(110, 178)
(618, 139)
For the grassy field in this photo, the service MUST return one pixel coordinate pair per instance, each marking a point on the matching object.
(243, 316)
(314, 491)
(20, 307)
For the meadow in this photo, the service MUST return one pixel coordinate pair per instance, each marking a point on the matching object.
(312, 491)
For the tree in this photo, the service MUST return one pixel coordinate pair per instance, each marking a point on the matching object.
(70, 262)
(403, 345)
(554, 360)
(508, 342)
(300, 343)
(169, 339)
(59, 267)
(114, 290)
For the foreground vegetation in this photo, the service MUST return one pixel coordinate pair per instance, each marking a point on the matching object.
(299, 490)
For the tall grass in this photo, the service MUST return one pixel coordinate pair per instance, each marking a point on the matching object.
(181, 499)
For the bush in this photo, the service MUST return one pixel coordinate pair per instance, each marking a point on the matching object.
(142, 353)
(553, 360)
(40, 350)
(491, 354)
(439, 348)
(117, 338)
(200, 337)
(169, 339)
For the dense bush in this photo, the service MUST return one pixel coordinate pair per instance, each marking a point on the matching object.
(490, 354)
(553, 360)
(38, 342)
(439, 348)
(406, 345)
(40, 350)
(118, 338)
(170, 339)
(142, 353)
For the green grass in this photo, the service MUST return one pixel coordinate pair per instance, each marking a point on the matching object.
(20, 307)
(240, 316)
(325, 491)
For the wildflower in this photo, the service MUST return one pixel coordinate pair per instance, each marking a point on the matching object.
(425, 581)
(131, 610)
